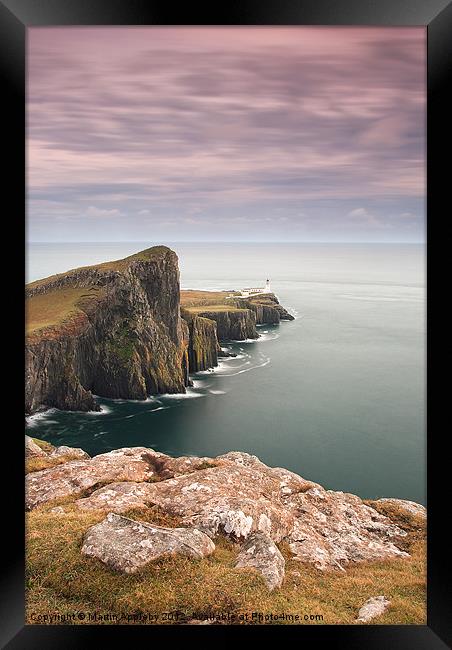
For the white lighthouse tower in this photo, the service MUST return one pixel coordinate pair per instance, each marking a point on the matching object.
(267, 286)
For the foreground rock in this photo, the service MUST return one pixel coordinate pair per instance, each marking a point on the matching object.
(230, 498)
(32, 450)
(332, 529)
(409, 507)
(234, 494)
(76, 476)
(373, 607)
(126, 545)
(259, 552)
(74, 452)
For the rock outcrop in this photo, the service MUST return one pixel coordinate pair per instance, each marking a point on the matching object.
(266, 308)
(122, 337)
(63, 450)
(235, 495)
(225, 317)
(126, 545)
(77, 476)
(261, 553)
(332, 529)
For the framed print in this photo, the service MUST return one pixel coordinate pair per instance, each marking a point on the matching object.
(232, 410)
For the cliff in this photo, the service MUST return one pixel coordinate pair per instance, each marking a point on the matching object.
(115, 330)
(266, 308)
(112, 330)
(203, 349)
(233, 324)
(136, 510)
(236, 318)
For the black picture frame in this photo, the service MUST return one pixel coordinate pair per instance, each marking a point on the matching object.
(15, 17)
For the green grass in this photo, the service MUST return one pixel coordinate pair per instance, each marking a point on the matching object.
(122, 344)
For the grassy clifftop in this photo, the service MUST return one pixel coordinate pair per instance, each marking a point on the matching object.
(63, 304)
(195, 302)
(48, 310)
(147, 255)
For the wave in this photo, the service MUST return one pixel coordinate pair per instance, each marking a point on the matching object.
(36, 418)
(190, 394)
(100, 433)
(260, 365)
(132, 415)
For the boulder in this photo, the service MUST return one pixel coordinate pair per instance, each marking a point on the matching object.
(261, 553)
(373, 607)
(74, 452)
(126, 545)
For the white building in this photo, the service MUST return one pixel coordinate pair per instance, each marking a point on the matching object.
(254, 291)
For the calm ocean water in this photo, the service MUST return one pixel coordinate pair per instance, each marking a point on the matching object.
(338, 395)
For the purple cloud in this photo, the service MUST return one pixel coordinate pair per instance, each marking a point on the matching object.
(204, 125)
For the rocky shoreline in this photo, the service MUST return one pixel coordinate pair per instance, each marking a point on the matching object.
(233, 496)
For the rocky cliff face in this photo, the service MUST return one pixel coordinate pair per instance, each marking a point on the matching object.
(210, 324)
(115, 330)
(234, 324)
(123, 339)
(266, 308)
(203, 349)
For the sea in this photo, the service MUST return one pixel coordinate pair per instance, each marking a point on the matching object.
(337, 395)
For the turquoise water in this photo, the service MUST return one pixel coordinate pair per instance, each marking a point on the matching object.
(336, 395)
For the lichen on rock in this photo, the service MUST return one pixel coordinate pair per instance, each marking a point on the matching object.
(126, 545)
(234, 495)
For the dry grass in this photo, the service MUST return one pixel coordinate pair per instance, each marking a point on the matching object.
(194, 298)
(207, 309)
(44, 445)
(61, 580)
(55, 307)
(35, 464)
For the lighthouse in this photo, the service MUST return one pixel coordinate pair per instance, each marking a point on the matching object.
(267, 286)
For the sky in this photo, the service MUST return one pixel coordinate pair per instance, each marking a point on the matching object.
(226, 134)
